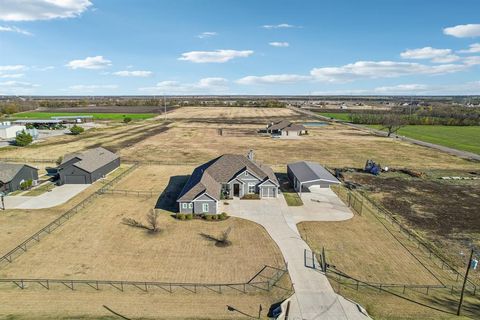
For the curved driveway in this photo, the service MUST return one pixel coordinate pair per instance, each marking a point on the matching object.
(314, 297)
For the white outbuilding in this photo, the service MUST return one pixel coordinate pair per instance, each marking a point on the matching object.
(9, 131)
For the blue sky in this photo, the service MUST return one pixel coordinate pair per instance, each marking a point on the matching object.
(123, 47)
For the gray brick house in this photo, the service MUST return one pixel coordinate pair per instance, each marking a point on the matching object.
(13, 174)
(228, 176)
(88, 166)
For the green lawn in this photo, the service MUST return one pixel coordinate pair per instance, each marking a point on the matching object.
(336, 115)
(465, 138)
(292, 199)
(96, 116)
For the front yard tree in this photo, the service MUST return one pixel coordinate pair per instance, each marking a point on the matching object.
(23, 139)
(392, 123)
(75, 130)
(152, 220)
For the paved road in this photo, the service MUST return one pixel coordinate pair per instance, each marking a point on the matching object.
(314, 297)
(455, 152)
(50, 199)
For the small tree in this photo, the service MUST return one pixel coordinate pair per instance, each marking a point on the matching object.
(23, 139)
(392, 123)
(127, 119)
(59, 160)
(75, 130)
(152, 220)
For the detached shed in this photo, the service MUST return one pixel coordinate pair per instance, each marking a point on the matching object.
(88, 166)
(305, 175)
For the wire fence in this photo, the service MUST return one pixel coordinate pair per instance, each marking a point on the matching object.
(361, 204)
(134, 193)
(264, 280)
(35, 238)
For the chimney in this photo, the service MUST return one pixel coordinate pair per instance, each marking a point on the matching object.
(250, 155)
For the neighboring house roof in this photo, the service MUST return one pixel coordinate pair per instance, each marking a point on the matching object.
(279, 125)
(286, 125)
(295, 127)
(307, 171)
(8, 171)
(92, 159)
(209, 177)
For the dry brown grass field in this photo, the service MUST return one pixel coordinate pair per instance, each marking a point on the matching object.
(17, 225)
(95, 243)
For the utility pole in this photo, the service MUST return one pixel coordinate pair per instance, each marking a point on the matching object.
(464, 283)
(165, 105)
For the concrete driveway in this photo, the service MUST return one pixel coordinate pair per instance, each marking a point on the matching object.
(314, 297)
(49, 199)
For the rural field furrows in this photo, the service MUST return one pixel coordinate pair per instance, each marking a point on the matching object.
(109, 109)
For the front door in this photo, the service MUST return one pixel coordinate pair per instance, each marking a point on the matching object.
(236, 190)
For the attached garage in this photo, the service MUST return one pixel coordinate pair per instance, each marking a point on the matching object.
(71, 179)
(307, 176)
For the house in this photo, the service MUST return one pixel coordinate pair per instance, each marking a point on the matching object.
(9, 131)
(88, 166)
(306, 175)
(225, 177)
(286, 128)
(12, 175)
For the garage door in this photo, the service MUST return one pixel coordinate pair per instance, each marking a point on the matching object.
(268, 192)
(75, 180)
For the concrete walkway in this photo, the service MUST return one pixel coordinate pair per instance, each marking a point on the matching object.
(314, 297)
(57, 196)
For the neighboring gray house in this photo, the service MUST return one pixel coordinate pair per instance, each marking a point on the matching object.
(286, 128)
(228, 176)
(88, 166)
(13, 174)
(305, 174)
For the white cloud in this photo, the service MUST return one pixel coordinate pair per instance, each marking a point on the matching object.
(472, 61)
(217, 56)
(15, 29)
(11, 75)
(279, 44)
(6, 71)
(212, 84)
(92, 87)
(279, 26)
(16, 67)
(136, 73)
(273, 79)
(401, 88)
(97, 62)
(437, 55)
(463, 31)
(473, 48)
(17, 87)
(30, 10)
(46, 68)
(380, 69)
(207, 34)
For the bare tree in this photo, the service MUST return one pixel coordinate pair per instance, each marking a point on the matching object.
(222, 240)
(392, 123)
(152, 220)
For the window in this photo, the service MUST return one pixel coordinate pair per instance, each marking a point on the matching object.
(190, 205)
(251, 188)
(205, 207)
(184, 205)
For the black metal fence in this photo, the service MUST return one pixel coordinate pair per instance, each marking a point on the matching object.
(264, 280)
(361, 204)
(25, 245)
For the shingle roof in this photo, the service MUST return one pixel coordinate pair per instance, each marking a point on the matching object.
(311, 171)
(209, 176)
(8, 171)
(287, 126)
(279, 125)
(92, 159)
